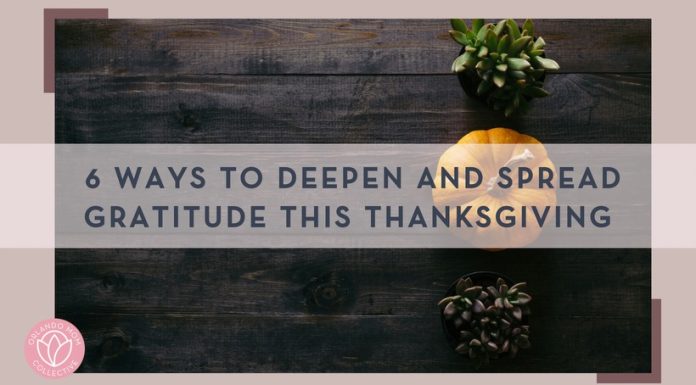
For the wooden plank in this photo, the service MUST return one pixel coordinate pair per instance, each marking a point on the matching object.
(205, 277)
(583, 108)
(235, 343)
(262, 47)
(253, 310)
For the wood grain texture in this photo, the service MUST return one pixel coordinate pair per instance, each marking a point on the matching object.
(583, 108)
(337, 81)
(272, 47)
(253, 309)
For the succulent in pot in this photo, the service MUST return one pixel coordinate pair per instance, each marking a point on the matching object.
(485, 317)
(501, 64)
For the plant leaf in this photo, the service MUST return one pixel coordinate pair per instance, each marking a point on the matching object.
(504, 324)
(523, 341)
(466, 315)
(524, 298)
(539, 43)
(499, 27)
(518, 74)
(459, 25)
(478, 306)
(459, 37)
(483, 51)
(466, 335)
(461, 287)
(483, 87)
(513, 350)
(517, 64)
(462, 348)
(504, 287)
(519, 286)
(476, 25)
(463, 61)
(481, 35)
(528, 26)
(503, 44)
(472, 292)
(483, 65)
(499, 79)
(513, 29)
(450, 310)
(444, 301)
(547, 64)
(491, 40)
(505, 347)
(518, 45)
(492, 291)
(491, 311)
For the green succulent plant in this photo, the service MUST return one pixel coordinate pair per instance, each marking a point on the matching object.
(489, 323)
(509, 62)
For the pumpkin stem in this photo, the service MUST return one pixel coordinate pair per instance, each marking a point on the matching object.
(520, 158)
(512, 162)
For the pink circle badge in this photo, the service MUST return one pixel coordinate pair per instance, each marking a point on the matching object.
(54, 348)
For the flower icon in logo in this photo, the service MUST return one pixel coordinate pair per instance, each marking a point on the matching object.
(54, 348)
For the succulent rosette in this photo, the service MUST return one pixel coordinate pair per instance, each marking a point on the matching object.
(509, 62)
(488, 322)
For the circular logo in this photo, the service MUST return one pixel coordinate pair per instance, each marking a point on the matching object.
(54, 348)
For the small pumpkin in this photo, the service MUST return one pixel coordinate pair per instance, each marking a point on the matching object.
(488, 151)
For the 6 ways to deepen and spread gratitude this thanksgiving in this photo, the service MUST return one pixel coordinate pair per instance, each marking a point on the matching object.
(450, 214)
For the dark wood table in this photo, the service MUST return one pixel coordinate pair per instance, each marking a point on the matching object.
(332, 81)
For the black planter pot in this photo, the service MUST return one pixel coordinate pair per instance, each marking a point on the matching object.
(469, 81)
(480, 278)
